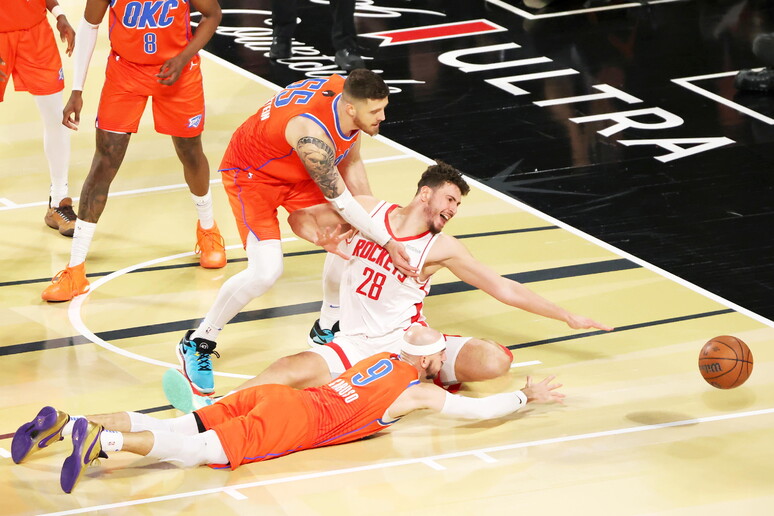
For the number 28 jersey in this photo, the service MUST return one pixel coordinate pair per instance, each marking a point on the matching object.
(376, 299)
(149, 32)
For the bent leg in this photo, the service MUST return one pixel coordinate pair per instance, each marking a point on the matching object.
(305, 369)
(480, 359)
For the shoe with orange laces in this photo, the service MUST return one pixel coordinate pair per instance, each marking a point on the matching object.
(61, 217)
(67, 284)
(210, 247)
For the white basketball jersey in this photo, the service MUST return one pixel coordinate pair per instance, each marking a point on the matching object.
(376, 299)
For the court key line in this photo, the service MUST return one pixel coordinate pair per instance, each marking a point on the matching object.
(431, 461)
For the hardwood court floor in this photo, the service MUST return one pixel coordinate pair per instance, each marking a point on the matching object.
(640, 433)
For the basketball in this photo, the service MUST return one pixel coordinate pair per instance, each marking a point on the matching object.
(725, 362)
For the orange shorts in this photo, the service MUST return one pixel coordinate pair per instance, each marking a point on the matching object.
(254, 199)
(178, 110)
(32, 59)
(258, 423)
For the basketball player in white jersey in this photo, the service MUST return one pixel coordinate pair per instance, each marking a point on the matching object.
(378, 303)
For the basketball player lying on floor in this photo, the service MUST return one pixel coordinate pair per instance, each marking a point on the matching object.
(378, 303)
(269, 421)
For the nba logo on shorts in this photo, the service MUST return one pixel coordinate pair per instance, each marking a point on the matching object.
(194, 121)
(61, 74)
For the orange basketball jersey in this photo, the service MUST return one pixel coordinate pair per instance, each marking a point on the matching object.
(259, 144)
(149, 31)
(353, 405)
(21, 14)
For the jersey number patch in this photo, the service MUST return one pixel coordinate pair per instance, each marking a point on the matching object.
(299, 92)
(373, 373)
(372, 286)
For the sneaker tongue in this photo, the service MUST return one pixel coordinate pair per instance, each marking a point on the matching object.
(204, 346)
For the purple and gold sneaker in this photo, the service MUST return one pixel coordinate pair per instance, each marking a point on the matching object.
(39, 433)
(86, 449)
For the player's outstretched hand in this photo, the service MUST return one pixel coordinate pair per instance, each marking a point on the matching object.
(330, 239)
(171, 70)
(578, 322)
(400, 259)
(71, 114)
(543, 392)
(66, 33)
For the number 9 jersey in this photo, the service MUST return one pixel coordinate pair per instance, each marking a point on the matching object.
(149, 31)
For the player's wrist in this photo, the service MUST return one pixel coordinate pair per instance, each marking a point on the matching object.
(57, 11)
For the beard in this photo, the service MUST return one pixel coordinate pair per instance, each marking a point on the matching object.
(370, 130)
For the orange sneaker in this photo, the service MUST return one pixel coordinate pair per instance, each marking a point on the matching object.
(210, 247)
(61, 217)
(67, 284)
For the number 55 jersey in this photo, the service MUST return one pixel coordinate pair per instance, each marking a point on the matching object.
(377, 301)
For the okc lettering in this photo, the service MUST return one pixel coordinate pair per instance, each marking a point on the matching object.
(344, 390)
(376, 254)
(149, 14)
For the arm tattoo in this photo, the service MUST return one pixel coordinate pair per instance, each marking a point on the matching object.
(318, 157)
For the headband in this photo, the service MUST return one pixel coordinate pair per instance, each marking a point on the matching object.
(421, 351)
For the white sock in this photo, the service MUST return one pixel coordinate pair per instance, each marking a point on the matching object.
(56, 144)
(84, 234)
(206, 330)
(111, 440)
(204, 209)
(332, 272)
(68, 428)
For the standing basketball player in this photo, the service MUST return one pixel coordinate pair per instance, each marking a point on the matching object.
(300, 149)
(153, 55)
(270, 421)
(28, 53)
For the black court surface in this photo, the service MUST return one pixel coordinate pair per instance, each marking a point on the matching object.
(615, 170)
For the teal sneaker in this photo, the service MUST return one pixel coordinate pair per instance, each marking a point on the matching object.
(194, 356)
(179, 393)
(319, 336)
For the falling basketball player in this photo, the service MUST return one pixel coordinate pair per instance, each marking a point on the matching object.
(378, 303)
(270, 421)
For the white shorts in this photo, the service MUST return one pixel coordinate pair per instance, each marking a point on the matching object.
(345, 351)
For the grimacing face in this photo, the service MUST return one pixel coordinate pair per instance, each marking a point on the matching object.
(369, 114)
(435, 364)
(442, 206)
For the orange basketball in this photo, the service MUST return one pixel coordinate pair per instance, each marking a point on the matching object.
(725, 362)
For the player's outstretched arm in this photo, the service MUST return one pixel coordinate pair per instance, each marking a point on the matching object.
(430, 396)
(353, 172)
(463, 265)
(211, 15)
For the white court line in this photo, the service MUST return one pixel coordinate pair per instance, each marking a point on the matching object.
(686, 82)
(233, 493)
(432, 464)
(418, 460)
(524, 364)
(10, 205)
(528, 15)
(76, 305)
(485, 457)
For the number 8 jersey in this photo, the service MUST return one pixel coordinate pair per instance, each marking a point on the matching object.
(377, 301)
(149, 31)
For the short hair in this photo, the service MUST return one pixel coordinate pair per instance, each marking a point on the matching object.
(441, 173)
(363, 84)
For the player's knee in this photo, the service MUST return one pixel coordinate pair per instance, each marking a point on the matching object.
(496, 360)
